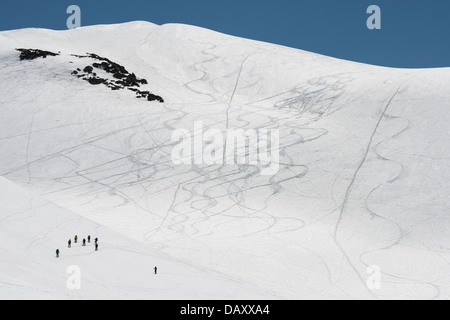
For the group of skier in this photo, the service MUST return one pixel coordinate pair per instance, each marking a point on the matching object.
(75, 240)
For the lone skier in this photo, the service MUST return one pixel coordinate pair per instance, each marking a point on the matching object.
(156, 270)
(57, 253)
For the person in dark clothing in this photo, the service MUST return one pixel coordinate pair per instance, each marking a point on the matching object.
(156, 270)
(96, 246)
(76, 239)
(57, 253)
(84, 242)
(70, 243)
(89, 239)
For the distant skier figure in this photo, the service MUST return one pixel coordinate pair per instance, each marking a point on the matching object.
(96, 246)
(75, 239)
(156, 270)
(57, 253)
(89, 239)
(70, 243)
(84, 242)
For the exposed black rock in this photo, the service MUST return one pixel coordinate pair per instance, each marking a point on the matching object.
(31, 54)
(96, 80)
(146, 94)
(88, 69)
(124, 78)
(153, 97)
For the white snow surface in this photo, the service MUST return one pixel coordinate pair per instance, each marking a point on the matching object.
(363, 179)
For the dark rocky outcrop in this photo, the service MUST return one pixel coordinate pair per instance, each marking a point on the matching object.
(122, 79)
(146, 94)
(96, 80)
(88, 69)
(31, 54)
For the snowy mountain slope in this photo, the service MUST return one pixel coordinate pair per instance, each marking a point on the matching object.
(363, 157)
(33, 228)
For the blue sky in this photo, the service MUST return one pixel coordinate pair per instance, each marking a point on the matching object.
(414, 34)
